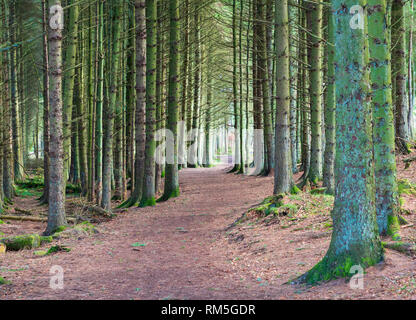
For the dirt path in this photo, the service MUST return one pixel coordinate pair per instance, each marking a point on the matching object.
(180, 259)
(181, 250)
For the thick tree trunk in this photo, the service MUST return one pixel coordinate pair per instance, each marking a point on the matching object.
(355, 238)
(387, 205)
(400, 70)
(56, 212)
(148, 196)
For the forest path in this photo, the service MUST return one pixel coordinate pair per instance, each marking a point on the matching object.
(181, 249)
(172, 251)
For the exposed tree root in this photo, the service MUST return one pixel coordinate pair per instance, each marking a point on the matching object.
(24, 211)
(151, 202)
(31, 218)
(27, 241)
(166, 196)
(408, 162)
(334, 267)
(94, 209)
(402, 247)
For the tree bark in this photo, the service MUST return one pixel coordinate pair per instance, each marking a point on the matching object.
(56, 211)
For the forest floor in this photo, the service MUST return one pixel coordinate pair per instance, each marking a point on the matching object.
(189, 248)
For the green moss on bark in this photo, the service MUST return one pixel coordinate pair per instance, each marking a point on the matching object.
(173, 194)
(393, 227)
(334, 267)
(294, 190)
(151, 202)
(17, 243)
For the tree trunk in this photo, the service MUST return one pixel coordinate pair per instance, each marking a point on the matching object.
(45, 196)
(387, 205)
(69, 83)
(283, 178)
(355, 238)
(171, 171)
(110, 106)
(329, 155)
(56, 212)
(400, 70)
(148, 196)
(99, 106)
(314, 20)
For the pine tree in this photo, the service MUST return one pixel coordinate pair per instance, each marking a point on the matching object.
(355, 239)
(110, 105)
(387, 205)
(148, 196)
(171, 175)
(329, 155)
(56, 212)
(283, 179)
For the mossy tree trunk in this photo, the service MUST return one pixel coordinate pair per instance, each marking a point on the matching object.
(15, 99)
(383, 130)
(110, 105)
(294, 75)
(329, 155)
(99, 105)
(263, 74)
(257, 95)
(82, 106)
(186, 70)
(193, 152)
(148, 196)
(69, 82)
(208, 117)
(56, 211)
(160, 84)
(304, 100)
(140, 134)
(45, 73)
(400, 72)
(314, 21)
(283, 178)
(355, 238)
(7, 134)
(92, 75)
(131, 92)
(171, 171)
(2, 124)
